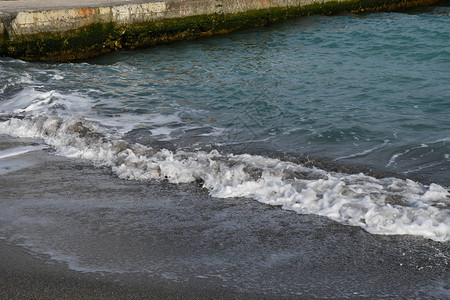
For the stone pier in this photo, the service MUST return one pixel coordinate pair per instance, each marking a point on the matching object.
(56, 30)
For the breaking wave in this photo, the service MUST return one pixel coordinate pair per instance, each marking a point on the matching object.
(380, 206)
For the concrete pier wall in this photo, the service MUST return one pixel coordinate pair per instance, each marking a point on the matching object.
(53, 30)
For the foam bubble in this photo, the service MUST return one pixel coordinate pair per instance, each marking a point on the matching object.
(380, 206)
(57, 77)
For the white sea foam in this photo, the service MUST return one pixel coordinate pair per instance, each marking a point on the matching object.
(162, 130)
(57, 77)
(35, 102)
(32, 101)
(362, 153)
(422, 167)
(395, 156)
(14, 81)
(381, 206)
(18, 150)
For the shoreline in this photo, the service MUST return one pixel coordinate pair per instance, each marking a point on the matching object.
(87, 234)
(24, 275)
(61, 33)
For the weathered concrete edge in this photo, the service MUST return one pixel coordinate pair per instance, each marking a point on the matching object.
(76, 34)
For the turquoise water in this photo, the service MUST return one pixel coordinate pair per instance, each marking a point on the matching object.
(370, 90)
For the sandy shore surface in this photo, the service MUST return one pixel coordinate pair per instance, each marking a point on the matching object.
(69, 230)
(24, 276)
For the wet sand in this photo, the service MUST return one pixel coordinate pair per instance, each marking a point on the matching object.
(71, 230)
(24, 276)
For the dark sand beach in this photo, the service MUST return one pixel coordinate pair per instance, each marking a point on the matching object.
(71, 230)
(24, 276)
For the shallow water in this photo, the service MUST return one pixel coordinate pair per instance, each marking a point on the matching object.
(367, 89)
(308, 115)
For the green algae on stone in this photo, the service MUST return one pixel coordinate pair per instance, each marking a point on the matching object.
(101, 38)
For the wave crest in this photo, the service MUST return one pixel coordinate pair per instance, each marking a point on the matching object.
(380, 206)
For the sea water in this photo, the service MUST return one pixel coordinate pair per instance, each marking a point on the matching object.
(345, 117)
